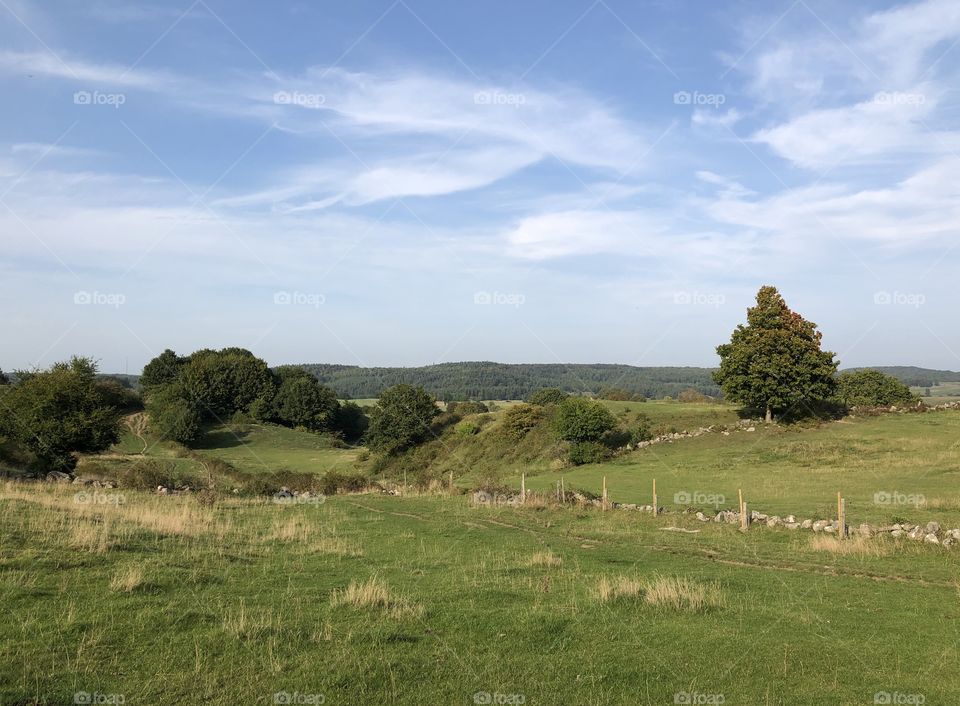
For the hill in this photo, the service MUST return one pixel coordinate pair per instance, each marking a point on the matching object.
(486, 380)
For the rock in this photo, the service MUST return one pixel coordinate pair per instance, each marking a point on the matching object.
(806, 524)
(790, 519)
(933, 527)
(931, 538)
(947, 542)
(162, 490)
(897, 533)
(866, 530)
(774, 521)
(59, 477)
(792, 525)
(917, 533)
(819, 525)
(953, 534)
(830, 529)
(751, 428)
(725, 433)
(719, 517)
(700, 516)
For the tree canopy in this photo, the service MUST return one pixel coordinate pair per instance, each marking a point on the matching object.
(774, 363)
(60, 411)
(871, 388)
(401, 419)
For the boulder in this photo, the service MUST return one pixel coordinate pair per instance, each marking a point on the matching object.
(790, 518)
(59, 477)
(806, 524)
(819, 525)
(774, 521)
(933, 527)
(931, 538)
(866, 530)
(917, 533)
(897, 533)
(792, 525)
(700, 516)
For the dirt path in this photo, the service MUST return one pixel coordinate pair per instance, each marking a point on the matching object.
(137, 424)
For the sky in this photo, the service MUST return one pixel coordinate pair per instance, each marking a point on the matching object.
(425, 181)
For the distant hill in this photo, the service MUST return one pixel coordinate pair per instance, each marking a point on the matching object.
(916, 377)
(504, 381)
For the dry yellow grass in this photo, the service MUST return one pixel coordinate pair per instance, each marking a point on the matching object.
(668, 592)
(545, 559)
(612, 589)
(853, 546)
(127, 579)
(374, 593)
(683, 594)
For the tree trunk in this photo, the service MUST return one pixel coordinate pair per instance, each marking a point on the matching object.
(769, 415)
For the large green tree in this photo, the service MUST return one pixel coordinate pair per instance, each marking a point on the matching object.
(401, 419)
(774, 363)
(60, 411)
(298, 399)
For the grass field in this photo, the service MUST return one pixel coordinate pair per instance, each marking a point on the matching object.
(373, 599)
(904, 458)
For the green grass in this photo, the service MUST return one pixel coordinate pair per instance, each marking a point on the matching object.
(163, 600)
(255, 447)
(792, 470)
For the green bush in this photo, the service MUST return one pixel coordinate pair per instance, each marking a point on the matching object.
(148, 474)
(579, 419)
(467, 428)
(871, 388)
(588, 452)
(520, 419)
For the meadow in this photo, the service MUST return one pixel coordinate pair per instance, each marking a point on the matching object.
(375, 599)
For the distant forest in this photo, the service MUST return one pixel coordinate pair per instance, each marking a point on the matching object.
(504, 381)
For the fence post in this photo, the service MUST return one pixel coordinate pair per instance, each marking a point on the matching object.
(523, 488)
(655, 509)
(843, 518)
(604, 501)
(451, 482)
(563, 491)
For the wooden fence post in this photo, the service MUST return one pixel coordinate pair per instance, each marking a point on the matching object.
(563, 491)
(451, 482)
(843, 518)
(655, 509)
(523, 488)
(604, 502)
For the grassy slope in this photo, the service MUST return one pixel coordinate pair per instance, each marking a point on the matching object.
(800, 471)
(268, 447)
(235, 605)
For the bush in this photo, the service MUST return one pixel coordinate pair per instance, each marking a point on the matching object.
(871, 388)
(579, 419)
(335, 481)
(147, 475)
(401, 419)
(547, 396)
(520, 419)
(465, 409)
(643, 430)
(467, 428)
(588, 452)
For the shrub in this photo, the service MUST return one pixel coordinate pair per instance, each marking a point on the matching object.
(467, 428)
(401, 419)
(547, 396)
(871, 388)
(579, 419)
(588, 452)
(465, 409)
(336, 481)
(520, 419)
(147, 475)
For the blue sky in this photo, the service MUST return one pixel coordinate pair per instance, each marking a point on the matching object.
(410, 182)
